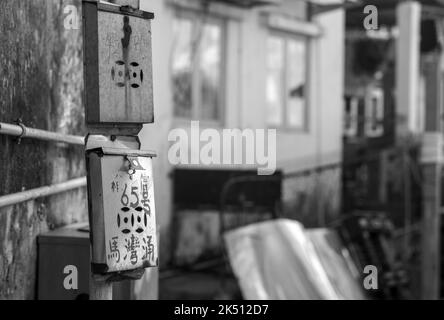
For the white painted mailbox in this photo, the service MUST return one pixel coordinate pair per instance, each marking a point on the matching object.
(118, 65)
(122, 209)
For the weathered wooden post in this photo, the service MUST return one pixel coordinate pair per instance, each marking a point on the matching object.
(425, 124)
(431, 161)
(119, 100)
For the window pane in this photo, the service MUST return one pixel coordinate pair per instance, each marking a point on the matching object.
(296, 74)
(274, 93)
(210, 71)
(181, 68)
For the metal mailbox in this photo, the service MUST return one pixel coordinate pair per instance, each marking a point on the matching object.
(121, 209)
(117, 65)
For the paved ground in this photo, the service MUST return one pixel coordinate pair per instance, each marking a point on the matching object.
(199, 285)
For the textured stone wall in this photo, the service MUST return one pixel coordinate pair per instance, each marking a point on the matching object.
(41, 72)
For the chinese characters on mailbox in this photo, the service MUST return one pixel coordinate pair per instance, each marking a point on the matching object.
(130, 231)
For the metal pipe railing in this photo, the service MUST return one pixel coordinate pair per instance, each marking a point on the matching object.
(21, 131)
(15, 198)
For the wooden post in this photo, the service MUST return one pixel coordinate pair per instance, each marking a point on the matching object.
(431, 159)
(431, 226)
(411, 120)
(407, 68)
(99, 289)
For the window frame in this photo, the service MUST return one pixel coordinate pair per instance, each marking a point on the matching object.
(197, 16)
(284, 124)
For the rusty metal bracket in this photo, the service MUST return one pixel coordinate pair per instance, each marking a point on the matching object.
(133, 165)
(19, 122)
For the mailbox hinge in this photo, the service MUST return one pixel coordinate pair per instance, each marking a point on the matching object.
(133, 164)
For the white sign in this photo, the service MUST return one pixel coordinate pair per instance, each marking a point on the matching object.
(130, 224)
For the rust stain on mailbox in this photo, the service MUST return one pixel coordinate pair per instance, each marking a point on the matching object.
(121, 194)
(118, 64)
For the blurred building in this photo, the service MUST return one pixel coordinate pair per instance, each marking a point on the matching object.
(245, 64)
(229, 64)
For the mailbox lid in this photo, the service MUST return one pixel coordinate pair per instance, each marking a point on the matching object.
(118, 65)
(101, 151)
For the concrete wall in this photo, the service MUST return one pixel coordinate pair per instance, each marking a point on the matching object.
(245, 94)
(41, 81)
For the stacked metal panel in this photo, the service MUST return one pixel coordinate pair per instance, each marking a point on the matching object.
(280, 259)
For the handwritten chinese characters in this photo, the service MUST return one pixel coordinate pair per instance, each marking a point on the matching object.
(130, 215)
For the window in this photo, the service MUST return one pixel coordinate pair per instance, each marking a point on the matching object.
(351, 125)
(197, 62)
(286, 82)
(374, 108)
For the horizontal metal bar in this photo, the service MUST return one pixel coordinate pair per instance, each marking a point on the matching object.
(22, 131)
(12, 199)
